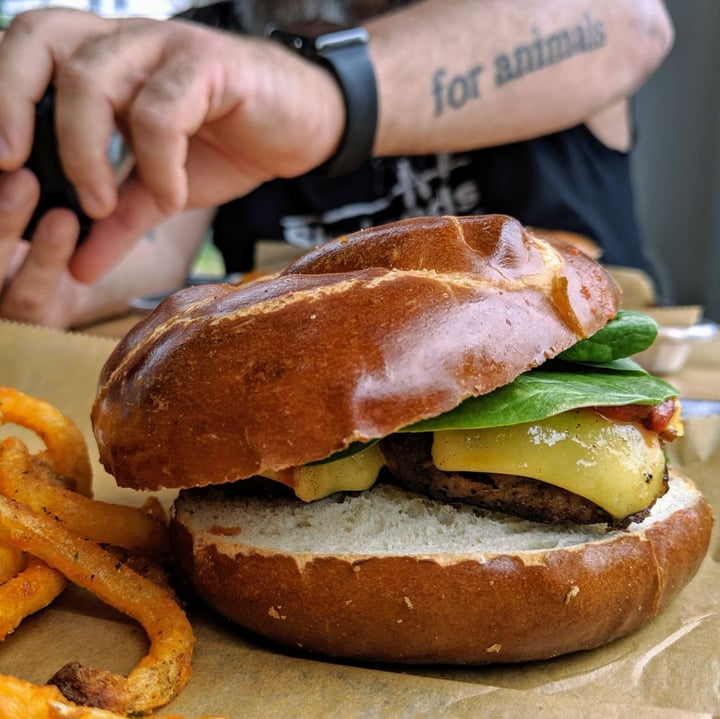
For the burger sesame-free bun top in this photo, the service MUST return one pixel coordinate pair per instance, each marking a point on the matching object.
(356, 340)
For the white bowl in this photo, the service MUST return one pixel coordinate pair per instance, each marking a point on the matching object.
(670, 351)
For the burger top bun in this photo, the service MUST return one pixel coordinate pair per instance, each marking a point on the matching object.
(359, 338)
(393, 576)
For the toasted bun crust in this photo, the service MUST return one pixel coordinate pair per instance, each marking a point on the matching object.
(389, 576)
(582, 242)
(358, 339)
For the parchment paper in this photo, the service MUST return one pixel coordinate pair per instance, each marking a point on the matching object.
(671, 668)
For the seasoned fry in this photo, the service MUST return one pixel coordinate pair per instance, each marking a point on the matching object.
(49, 534)
(12, 561)
(123, 526)
(65, 445)
(22, 700)
(161, 674)
(30, 591)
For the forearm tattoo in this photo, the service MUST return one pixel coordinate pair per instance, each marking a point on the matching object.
(452, 92)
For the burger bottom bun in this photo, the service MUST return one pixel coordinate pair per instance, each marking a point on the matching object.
(391, 576)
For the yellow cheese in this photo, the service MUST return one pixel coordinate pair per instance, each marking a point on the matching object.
(618, 466)
(354, 473)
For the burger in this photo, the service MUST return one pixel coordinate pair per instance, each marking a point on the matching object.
(422, 443)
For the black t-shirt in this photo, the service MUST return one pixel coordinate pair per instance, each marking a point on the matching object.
(568, 180)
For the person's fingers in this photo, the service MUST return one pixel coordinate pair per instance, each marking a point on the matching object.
(97, 83)
(30, 293)
(111, 238)
(169, 109)
(30, 50)
(19, 192)
(160, 81)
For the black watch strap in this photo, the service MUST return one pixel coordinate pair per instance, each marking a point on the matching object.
(345, 53)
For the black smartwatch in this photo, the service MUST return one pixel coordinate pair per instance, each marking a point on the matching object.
(345, 53)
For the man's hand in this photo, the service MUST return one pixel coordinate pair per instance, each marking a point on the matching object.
(208, 116)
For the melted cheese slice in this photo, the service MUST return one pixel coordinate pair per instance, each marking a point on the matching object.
(354, 473)
(618, 466)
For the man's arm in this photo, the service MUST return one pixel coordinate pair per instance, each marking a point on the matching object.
(461, 74)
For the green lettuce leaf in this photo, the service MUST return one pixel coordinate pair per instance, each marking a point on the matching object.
(628, 333)
(542, 393)
(595, 372)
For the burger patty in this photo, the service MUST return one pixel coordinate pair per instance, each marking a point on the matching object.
(409, 461)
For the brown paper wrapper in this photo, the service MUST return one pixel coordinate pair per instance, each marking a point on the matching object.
(671, 668)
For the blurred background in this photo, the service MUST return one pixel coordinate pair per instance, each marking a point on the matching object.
(111, 8)
(677, 159)
(677, 156)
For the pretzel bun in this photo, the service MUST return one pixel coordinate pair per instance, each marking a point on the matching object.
(354, 341)
(391, 576)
